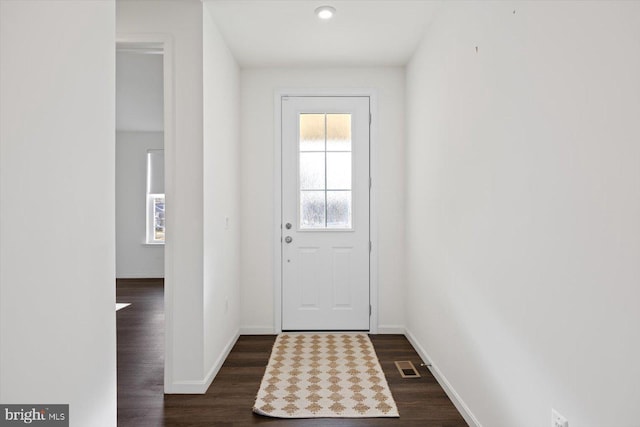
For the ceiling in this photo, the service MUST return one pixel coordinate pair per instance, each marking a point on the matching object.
(279, 33)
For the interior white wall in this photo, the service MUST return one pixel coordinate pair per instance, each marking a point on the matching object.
(221, 196)
(522, 209)
(134, 258)
(139, 92)
(258, 88)
(57, 189)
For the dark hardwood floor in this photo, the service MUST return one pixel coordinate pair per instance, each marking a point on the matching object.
(140, 329)
(228, 402)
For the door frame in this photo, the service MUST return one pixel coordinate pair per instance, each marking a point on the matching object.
(277, 179)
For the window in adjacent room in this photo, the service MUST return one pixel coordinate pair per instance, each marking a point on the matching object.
(155, 197)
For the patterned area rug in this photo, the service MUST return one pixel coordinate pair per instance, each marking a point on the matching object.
(315, 375)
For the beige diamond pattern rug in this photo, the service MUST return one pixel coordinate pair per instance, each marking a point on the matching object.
(317, 375)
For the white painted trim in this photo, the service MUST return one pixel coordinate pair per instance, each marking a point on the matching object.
(167, 44)
(201, 386)
(373, 211)
(444, 383)
(185, 387)
(391, 329)
(257, 330)
(140, 276)
(277, 233)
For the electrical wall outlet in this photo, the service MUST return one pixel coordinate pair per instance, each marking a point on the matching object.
(558, 420)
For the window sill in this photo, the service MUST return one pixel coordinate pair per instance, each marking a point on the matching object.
(153, 244)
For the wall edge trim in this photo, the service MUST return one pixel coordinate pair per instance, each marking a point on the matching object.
(201, 386)
(392, 329)
(460, 405)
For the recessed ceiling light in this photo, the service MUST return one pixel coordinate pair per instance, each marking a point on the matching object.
(325, 12)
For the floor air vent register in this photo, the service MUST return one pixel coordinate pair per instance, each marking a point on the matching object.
(406, 369)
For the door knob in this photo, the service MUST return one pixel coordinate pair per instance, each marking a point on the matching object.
(288, 239)
(288, 225)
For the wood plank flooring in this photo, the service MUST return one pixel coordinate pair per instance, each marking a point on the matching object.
(228, 402)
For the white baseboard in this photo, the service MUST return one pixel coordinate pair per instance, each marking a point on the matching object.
(186, 387)
(444, 383)
(257, 330)
(268, 330)
(140, 276)
(391, 329)
(201, 386)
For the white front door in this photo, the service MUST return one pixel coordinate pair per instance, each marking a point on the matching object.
(325, 213)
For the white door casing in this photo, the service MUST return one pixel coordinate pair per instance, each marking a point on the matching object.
(325, 199)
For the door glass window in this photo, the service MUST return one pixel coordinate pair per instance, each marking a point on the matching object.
(325, 171)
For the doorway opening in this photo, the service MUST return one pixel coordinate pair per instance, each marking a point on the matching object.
(140, 193)
(144, 146)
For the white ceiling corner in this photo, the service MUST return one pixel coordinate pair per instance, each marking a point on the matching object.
(279, 33)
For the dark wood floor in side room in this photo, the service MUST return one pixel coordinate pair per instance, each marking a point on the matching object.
(228, 402)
